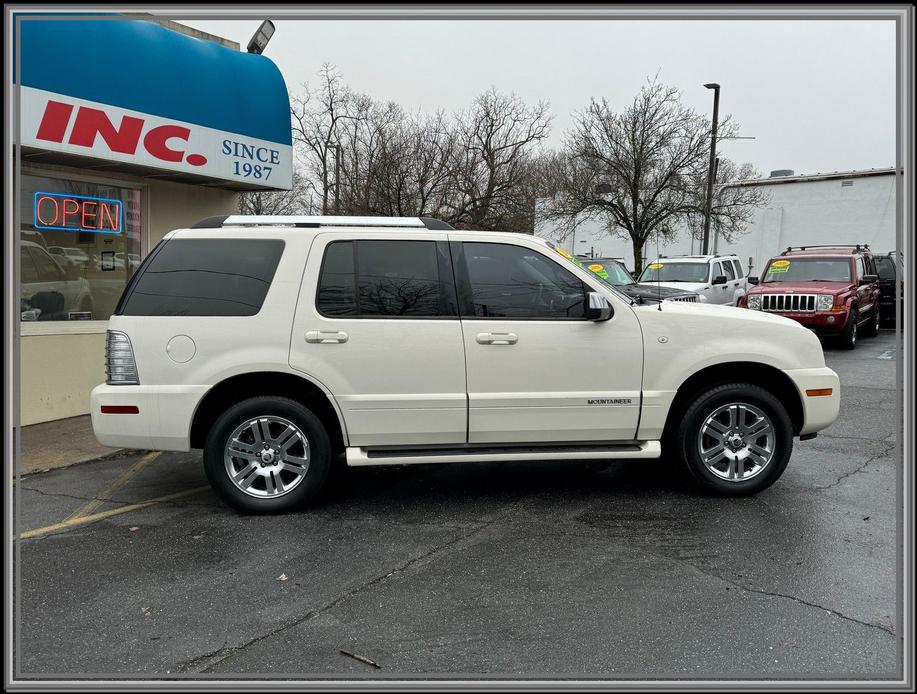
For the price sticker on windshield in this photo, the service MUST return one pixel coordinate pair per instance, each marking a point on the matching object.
(778, 266)
(599, 270)
(654, 266)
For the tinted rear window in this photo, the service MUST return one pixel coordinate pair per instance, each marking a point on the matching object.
(886, 268)
(206, 277)
(387, 279)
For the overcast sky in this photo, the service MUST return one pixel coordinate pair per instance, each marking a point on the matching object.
(817, 95)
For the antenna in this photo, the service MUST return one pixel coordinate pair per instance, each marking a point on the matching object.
(658, 285)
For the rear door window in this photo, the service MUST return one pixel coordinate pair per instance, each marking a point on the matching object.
(730, 270)
(206, 277)
(387, 279)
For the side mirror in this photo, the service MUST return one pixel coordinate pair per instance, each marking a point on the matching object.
(719, 279)
(752, 280)
(868, 279)
(597, 307)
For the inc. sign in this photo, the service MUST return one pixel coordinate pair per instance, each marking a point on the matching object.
(62, 212)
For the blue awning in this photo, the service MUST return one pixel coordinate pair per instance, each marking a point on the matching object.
(138, 68)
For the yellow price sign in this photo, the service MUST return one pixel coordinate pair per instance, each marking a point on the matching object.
(780, 263)
(654, 266)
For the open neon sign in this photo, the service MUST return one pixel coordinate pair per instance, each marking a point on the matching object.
(61, 212)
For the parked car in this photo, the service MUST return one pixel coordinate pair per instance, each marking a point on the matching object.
(49, 291)
(615, 273)
(717, 279)
(131, 259)
(832, 290)
(73, 257)
(280, 345)
(891, 285)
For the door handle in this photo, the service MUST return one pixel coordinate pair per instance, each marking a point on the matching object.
(326, 337)
(497, 338)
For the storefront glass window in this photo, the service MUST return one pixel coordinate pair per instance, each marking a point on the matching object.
(80, 245)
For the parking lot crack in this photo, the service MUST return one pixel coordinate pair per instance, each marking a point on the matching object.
(216, 657)
(889, 447)
(58, 494)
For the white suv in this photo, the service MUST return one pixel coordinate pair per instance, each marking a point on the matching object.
(717, 279)
(281, 345)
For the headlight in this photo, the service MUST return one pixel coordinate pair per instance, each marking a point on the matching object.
(824, 302)
(754, 302)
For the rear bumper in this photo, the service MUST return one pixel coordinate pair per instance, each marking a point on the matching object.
(163, 422)
(819, 411)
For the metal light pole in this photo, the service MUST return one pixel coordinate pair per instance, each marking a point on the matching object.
(711, 172)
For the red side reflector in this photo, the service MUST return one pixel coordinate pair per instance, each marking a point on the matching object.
(814, 392)
(120, 409)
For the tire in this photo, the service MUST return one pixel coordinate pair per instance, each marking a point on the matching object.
(848, 338)
(738, 471)
(872, 330)
(285, 470)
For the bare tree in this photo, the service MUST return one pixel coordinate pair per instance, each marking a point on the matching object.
(297, 200)
(317, 120)
(639, 169)
(734, 201)
(492, 163)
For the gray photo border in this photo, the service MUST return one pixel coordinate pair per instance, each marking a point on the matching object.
(902, 14)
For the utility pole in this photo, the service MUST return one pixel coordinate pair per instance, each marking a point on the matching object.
(711, 171)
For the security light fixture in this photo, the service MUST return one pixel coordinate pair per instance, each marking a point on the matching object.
(262, 36)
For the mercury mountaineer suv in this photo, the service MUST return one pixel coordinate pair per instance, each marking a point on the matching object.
(282, 346)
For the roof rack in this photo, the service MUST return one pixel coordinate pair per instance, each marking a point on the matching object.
(314, 222)
(853, 248)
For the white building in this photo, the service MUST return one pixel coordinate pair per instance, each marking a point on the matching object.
(843, 207)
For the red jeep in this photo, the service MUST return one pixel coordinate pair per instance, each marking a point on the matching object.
(832, 290)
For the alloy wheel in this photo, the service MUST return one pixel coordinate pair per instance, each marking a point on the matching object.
(267, 456)
(736, 441)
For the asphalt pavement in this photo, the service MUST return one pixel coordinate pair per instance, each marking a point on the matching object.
(596, 570)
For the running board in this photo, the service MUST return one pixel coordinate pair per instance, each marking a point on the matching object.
(361, 457)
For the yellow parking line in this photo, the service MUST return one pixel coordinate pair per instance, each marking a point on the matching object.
(72, 522)
(105, 495)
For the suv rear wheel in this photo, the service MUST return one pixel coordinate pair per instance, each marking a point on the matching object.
(735, 439)
(267, 455)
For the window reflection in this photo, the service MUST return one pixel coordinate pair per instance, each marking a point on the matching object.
(75, 274)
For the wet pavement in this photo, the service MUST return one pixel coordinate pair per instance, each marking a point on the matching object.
(596, 570)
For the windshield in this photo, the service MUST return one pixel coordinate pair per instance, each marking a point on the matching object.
(808, 270)
(595, 273)
(661, 271)
(611, 272)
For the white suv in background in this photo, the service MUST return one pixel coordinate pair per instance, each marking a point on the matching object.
(281, 345)
(718, 279)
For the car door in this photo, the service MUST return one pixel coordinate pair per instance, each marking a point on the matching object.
(537, 370)
(377, 323)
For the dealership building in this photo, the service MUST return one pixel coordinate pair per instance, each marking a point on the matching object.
(128, 129)
(845, 207)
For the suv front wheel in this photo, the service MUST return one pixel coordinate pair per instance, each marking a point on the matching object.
(267, 455)
(735, 439)
(848, 337)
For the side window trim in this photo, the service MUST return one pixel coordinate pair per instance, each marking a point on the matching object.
(465, 294)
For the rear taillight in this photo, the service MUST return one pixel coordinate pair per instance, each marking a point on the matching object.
(120, 367)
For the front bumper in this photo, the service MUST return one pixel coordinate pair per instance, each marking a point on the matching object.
(162, 424)
(820, 322)
(819, 411)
